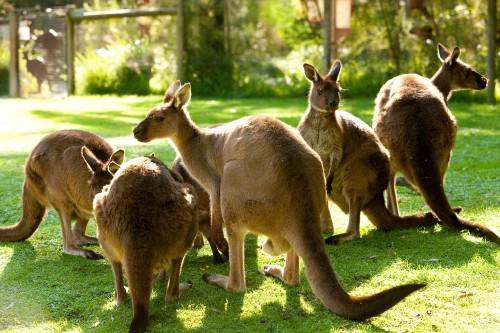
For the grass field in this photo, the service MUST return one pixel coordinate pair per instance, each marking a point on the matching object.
(44, 290)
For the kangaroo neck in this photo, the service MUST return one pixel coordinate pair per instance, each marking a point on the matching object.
(187, 136)
(442, 82)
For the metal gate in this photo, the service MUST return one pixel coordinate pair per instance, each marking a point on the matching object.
(42, 54)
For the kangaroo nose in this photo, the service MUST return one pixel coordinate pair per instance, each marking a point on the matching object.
(137, 130)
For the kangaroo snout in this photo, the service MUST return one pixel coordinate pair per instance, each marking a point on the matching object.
(482, 82)
(139, 133)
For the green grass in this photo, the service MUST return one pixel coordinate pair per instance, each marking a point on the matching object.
(43, 290)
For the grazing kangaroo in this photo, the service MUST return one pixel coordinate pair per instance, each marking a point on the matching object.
(38, 69)
(147, 221)
(264, 178)
(357, 164)
(203, 200)
(57, 177)
(413, 121)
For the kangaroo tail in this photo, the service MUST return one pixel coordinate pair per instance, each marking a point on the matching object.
(433, 193)
(327, 288)
(381, 217)
(33, 214)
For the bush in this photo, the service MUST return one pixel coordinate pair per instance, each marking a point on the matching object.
(4, 68)
(120, 69)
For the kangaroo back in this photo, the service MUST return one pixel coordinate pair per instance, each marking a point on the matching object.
(147, 222)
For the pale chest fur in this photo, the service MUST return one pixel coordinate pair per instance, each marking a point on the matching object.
(323, 134)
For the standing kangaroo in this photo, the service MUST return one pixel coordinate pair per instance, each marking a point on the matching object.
(264, 178)
(357, 164)
(203, 200)
(38, 69)
(413, 121)
(57, 177)
(147, 221)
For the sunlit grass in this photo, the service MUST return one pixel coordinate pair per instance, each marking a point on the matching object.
(43, 290)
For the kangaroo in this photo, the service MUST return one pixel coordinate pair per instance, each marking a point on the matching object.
(356, 163)
(264, 178)
(147, 222)
(203, 200)
(38, 69)
(413, 121)
(57, 177)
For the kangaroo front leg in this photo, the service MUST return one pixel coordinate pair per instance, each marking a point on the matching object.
(216, 221)
(352, 231)
(120, 293)
(392, 200)
(289, 274)
(236, 279)
(174, 287)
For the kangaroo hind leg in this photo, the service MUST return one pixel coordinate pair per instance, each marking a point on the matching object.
(352, 231)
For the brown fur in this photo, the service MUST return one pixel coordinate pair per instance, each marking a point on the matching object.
(413, 121)
(356, 161)
(57, 177)
(147, 222)
(203, 211)
(264, 178)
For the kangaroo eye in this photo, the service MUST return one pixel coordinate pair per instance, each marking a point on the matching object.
(319, 91)
(158, 118)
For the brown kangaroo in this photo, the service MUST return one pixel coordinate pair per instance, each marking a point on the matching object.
(38, 69)
(57, 177)
(413, 121)
(264, 178)
(203, 210)
(147, 221)
(356, 162)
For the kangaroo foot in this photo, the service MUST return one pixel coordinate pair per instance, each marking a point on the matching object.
(278, 272)
(336, 239)
(89, 254)
(182, 287)
(223, 282)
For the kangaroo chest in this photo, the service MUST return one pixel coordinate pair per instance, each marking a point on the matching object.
(324, 135)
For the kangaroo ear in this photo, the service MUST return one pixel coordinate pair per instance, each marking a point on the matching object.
(113, 167)
(454, 55)
(311, 73)
(183, 96)
(443, 52)
(118, 157)
(170, 92)
(92, 162)
(335, 70)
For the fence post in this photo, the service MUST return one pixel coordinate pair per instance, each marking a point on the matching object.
(14, 54)
(70, 48)
(180, 40)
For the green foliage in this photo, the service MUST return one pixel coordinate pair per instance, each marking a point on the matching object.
(4, 68)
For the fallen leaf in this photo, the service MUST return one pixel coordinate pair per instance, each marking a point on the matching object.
(434, 260)
(402, 263)
(215, 310)
(463, 295)
(8, 306)
(204, 268)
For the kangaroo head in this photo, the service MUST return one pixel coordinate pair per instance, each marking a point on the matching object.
(459, 74)
(162, 121)
(324, 94)
(102, 173)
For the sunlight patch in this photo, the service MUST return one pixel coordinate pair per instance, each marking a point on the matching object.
(192, 317)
